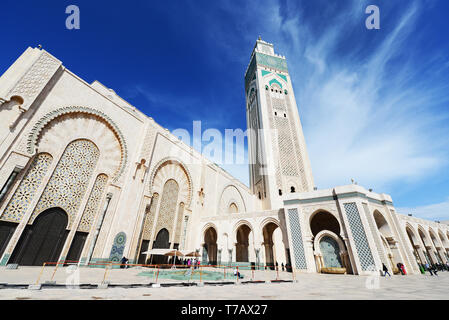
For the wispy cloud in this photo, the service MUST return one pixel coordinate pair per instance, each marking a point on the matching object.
(434, 212)
(372, 108)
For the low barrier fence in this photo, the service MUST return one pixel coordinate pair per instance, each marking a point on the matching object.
(112, 273)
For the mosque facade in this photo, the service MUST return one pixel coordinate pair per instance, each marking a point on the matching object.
(87, 177)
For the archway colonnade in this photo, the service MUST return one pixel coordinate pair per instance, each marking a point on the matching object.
(429, 244)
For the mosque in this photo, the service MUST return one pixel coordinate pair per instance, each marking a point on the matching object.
(85, 176)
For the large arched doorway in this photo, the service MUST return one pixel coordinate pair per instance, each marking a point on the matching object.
(331, 252)
(210, 246)
(43, 240)
(445, 244)
(436, 244)
(273, 245)
(242, 246)
(427, 246)
(162, 242)
(415, 244)
(329, 249)
(388, 241)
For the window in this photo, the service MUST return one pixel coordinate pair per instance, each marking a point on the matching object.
(275, 113)
(280, 192)
(292, 189)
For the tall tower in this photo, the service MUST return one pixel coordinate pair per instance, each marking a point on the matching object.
(279, 163)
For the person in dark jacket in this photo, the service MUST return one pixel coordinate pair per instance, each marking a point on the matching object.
(385, 270)
(435, 269)
(123, 263)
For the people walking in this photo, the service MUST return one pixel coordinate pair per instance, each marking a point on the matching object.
(428, 268)
(385, 270)
(403, 270)
(435, 269)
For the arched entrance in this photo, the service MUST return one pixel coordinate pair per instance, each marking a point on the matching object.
(329, 249)
(415, 244)
(436, 244)
(273, 245)
(242, 246)
(427, 246)
(210, 246)
(331, 252)
(388, 241)
(162, 242)
(43, 240)
(445, 244)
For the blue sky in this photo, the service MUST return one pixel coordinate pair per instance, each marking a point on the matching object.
(374, 104)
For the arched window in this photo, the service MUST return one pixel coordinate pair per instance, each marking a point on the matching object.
(233, 208)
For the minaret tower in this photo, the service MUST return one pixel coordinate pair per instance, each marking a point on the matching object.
(279, 163)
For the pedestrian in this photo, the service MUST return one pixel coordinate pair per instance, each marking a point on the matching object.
(282, 265)
(237, 274)
(123, 263)
(189, 263)
(399, 268)
(428, 268)
(435, 269)
(403, 269)
(385, 270)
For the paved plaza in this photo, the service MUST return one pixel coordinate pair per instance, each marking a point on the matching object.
(308, 286)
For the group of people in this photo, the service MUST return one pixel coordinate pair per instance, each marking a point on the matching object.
(195, 263)
(433, 268)
(400, 267)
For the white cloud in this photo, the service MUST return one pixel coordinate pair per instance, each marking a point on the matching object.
(435, 212)
(361, 120)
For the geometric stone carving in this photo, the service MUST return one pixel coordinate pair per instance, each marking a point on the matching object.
(359, 235)
(31, 84)
(169, 168)
(33, 136)
(149, 219)
(70, 179)
(27, 189)
(298, 247)
(92, 204)
(167, 214)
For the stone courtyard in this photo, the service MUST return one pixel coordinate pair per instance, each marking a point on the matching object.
(308, 286)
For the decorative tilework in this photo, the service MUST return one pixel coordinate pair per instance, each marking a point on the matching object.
(276, 82)
(27, 189)
(35, 132)
(149, 218)
(179, 223)
(375, 232)
(92, 204)
(69, 181)
(118, 247)
(359, 235)
(286, 148)
(271, 61)
(298, 246)
(167, 209)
